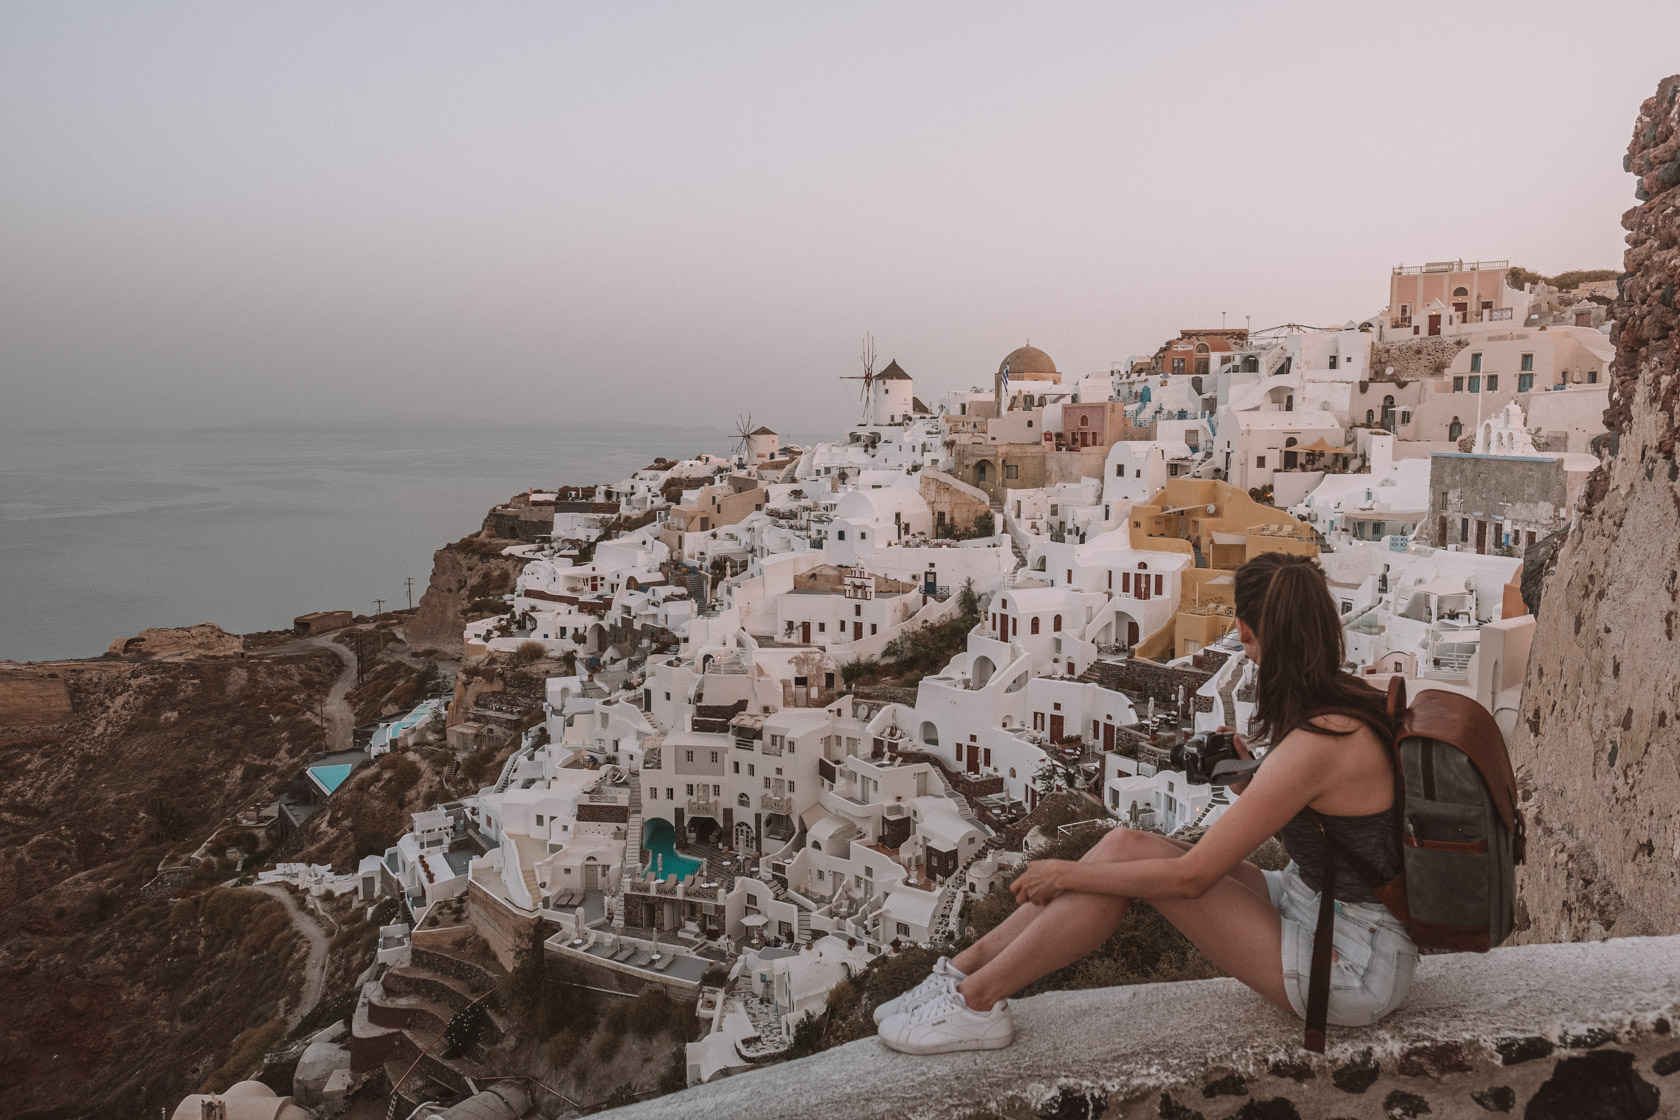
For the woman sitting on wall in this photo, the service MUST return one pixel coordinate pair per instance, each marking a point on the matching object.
(1329, 733)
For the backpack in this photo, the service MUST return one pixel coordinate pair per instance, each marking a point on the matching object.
(1461, 837)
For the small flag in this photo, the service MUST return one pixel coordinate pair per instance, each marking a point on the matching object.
(1001, 404)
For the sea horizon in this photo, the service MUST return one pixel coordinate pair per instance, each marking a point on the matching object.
(106, 532)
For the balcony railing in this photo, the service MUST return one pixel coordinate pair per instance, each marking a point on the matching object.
(703, 807)
(772, 804)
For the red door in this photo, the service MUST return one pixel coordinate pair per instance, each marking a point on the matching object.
(1131, 633)
(805, 632)
(1481, 536)
(1108, 736)
(973, 765)
(1055, 729)
(857, 631)
(1435, 323)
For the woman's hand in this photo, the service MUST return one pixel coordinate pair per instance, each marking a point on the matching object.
(1042, 881)
(1242, 752)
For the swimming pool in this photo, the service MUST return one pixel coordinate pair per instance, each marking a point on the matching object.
(659, 840)
(330, 777)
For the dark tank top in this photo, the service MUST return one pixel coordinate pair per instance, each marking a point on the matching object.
(1374, 838)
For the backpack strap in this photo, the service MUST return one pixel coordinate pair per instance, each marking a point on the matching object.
(1318, 980)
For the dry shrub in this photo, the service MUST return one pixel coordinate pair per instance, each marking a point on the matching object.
(248, 1050)
(529, 652)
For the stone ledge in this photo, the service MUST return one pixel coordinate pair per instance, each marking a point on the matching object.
(1541, 1031)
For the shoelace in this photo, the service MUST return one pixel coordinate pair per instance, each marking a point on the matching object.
(939, 1005)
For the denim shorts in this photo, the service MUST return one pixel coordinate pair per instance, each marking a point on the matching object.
(1374, 955)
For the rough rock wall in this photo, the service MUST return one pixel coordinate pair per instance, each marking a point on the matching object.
(1597, 751)
(468, 571)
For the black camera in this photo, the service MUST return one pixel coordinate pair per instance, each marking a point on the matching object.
(1200, 754)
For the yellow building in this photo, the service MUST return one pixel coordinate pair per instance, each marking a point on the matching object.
(1220, 527)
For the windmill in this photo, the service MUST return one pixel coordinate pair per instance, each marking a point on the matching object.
(743, 437)
(867, 377)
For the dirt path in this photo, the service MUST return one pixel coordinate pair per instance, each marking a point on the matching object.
(336, 710)
(315, 967)
(341, 720)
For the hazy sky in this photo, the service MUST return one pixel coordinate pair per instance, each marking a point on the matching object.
(238, 212)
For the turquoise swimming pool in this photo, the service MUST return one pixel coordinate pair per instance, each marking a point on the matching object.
(330, 777)
(659, 840)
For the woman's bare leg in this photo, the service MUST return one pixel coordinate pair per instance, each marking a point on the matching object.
(977, 955)
(1234, 924)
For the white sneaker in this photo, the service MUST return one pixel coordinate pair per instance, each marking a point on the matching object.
(942, 979)
(945, 1024)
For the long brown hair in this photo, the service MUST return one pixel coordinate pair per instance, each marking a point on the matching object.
(1286, 601)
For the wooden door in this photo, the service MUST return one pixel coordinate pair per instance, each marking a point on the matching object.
(1055, 729)
(973, 763)
(1481, 536)
(1131, 633)
(1441, 533)
(1108, 736)
(857, 631)
(1435, 323)
(805, 632)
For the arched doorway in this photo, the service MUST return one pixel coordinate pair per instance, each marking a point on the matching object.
(744, 837)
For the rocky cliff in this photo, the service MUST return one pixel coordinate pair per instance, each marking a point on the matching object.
(468, 579)
(1598, 747)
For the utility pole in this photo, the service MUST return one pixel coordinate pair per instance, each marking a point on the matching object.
(379, 606)
(358, 657)
(410, 582)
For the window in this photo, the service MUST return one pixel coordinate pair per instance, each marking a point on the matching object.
(1035, 624)
(1158, 582)
(653, 793)
(691, 789)
(857, 610)
(1011, 471)
(1370, 416)
(1463, 528)
(766, 781)
(1525, 382)
(872, 627)
(822, 627)
(980, 472)
(1475, 384)
(1126, 583)
(688, 756)
(1178, 365)
(539, 820)
(1084, 421)
(1455, 429)
(1119, 472)
(670, 794)
(1493, 383)
(790, 786)
(737, 766)
(1260, 462)
(1527, 363)
(1333, 361)
(1405, 418)
(1458, 384)
(749, 769)
(1475, 363)
(1056, 625)
(903, 930)
(1592, 377)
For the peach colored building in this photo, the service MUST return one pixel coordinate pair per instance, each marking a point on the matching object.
(1433, 298)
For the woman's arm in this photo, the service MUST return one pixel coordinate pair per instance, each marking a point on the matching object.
(1278, 791)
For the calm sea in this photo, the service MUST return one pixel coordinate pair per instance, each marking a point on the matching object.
(103, 534)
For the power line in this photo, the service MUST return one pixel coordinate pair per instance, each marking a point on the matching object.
(410, 582)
